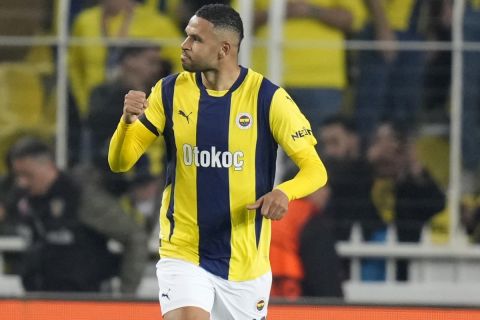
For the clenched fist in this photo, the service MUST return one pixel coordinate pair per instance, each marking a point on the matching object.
(134, 105)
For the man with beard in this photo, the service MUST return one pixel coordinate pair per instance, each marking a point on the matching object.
(221, 124)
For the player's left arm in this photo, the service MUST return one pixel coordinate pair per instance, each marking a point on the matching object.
(292, 131)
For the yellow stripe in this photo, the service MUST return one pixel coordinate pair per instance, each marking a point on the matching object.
(243, 220)
(398, 13)
(184, 242)
(245, 261)
(263, 261)
(164, 223)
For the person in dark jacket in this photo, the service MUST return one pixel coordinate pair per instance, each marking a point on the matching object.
(351, 182)
(404, 192)
(351, 179)
(70, 225)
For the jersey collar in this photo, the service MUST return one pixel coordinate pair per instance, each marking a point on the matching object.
(236, 84)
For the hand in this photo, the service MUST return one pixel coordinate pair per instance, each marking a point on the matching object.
(134, 105)
(274, 205)
(390, 52)
(415, 166)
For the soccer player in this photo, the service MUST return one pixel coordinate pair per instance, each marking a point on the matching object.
(221, 123)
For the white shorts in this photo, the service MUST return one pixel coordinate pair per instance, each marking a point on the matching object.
(184, 284)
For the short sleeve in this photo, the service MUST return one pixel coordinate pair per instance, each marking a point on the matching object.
(289, 126)
(155, 113)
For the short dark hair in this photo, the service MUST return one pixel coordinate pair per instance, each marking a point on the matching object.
(401, 130)
(343, 121)
(222, 16)
(29, 147)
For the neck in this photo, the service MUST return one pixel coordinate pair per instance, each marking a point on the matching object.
(221, 79)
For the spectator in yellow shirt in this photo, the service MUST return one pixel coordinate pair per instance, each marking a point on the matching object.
(314, 60)
(89, 65)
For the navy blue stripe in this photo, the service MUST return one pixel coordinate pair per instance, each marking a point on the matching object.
(213, 200)
(168, 88)
(150, 126)
(266, 149)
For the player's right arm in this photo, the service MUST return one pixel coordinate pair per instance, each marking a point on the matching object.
(142, 121)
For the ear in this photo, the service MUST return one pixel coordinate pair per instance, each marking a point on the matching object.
(225, 50)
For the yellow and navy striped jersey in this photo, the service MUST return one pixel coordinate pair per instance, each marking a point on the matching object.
(221, 154)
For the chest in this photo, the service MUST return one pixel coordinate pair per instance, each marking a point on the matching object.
(206, 121)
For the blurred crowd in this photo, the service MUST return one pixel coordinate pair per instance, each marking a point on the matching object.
(368, 110)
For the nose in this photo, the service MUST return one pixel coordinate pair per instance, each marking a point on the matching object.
(186, 44)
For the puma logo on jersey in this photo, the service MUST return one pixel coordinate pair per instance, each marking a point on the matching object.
(183, 114)
(212, 158)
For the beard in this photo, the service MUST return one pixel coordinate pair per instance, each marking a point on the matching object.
(191, 66)
(188, 67)
(195, 68)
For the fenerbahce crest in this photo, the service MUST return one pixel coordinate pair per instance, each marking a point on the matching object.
(244, 120)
